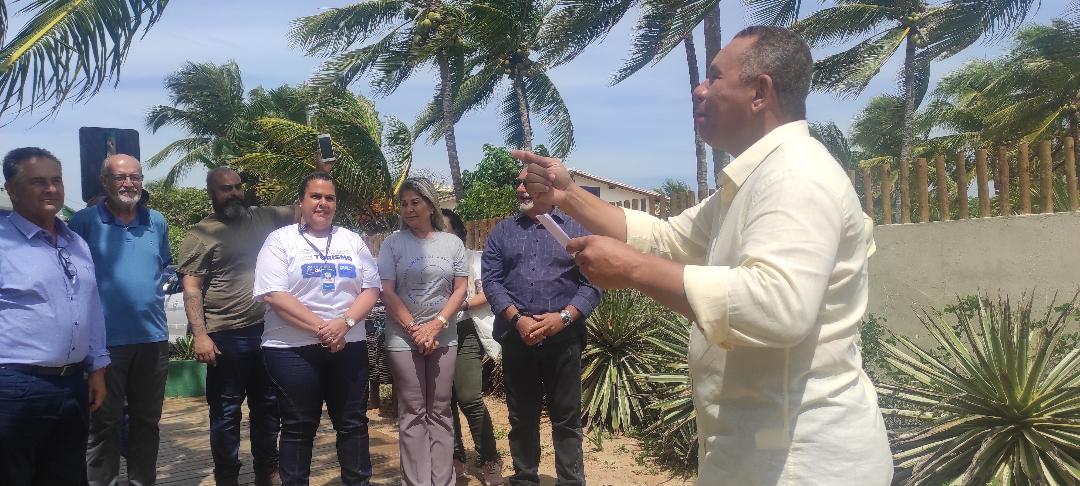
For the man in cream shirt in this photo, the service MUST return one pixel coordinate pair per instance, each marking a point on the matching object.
(772, 270)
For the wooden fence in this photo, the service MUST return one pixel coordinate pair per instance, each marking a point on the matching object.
(1013, 171)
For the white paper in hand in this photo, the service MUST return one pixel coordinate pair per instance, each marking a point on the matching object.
(554, 229)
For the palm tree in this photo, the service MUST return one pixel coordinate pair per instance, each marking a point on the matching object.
(374, 154)
(416, 33)
(508, 35)
(927, 33)
(208, 103)
(699, 144)
(68, 49)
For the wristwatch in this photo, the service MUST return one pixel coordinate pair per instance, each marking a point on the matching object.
(443, 320)
(349, 322)
(513, 320)
(566, 317)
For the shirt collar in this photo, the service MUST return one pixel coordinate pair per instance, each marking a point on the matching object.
(107, 217)
(30, 230)
(740, 169)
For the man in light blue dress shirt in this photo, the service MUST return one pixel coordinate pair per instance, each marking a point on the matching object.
(52, 330)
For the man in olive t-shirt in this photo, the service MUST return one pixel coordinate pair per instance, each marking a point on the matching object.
(217, 259)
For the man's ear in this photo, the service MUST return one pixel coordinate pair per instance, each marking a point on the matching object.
(764, 92)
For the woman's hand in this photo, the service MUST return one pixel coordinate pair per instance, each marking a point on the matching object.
(424, 336)
(337, 345)
(332, 330)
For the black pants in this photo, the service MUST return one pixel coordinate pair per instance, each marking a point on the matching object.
(44, 422)
(305, 377)
(531, 374)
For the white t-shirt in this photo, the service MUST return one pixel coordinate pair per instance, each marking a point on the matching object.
(288, 263)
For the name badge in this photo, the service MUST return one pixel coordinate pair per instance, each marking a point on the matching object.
(328, 278)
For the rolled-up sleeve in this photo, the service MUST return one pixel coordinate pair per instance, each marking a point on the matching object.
(492, 274)
(586, 299)
(789, 247)
(681, 238)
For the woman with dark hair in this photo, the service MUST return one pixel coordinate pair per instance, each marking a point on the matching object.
(319, 282)
(424, 275)
(468, 372)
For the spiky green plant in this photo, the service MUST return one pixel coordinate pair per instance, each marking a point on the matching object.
(613, 394)
(995, 401)
(671, 436)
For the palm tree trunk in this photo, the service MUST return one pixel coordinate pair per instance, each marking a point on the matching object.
(712, 47)
(447, 93)
(523, 108)
(908, 81)
(699, 145)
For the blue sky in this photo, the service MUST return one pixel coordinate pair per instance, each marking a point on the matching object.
(639, 131)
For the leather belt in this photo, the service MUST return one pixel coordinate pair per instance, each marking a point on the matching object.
(66, 370)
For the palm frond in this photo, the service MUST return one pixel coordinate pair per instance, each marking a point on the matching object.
(399, 150)
(848, 72)
(577, 24)
(513, 131)
(843, 22)
(662, 26)
(183, 145)
(334, 30)
(782, 13)
(68, 50)
(545, 100)
(473, 94)
(344, 69)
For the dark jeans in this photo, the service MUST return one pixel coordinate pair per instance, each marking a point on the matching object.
(240, 373)
(468, 395)
(43, 428)
(531, 374)
(307, 376)
(136, 375)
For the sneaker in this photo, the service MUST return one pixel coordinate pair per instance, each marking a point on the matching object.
(492, 474)
(460, 471)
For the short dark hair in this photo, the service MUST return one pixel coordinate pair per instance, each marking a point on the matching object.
(14, 159)
(784, 57)
(314, 176)
(456, 224)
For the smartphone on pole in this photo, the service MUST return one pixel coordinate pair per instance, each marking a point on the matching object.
(326, 149)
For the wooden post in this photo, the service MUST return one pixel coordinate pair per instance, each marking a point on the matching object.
(1070, 172)
(905, 193)
(851, 175)
(924, 195)
(942, 188)
(1002, 183)
(1023, 166)
(868, 192)
(1047, 188)
(983, 180)
(691, 201)
(886, 195)
(962, 185)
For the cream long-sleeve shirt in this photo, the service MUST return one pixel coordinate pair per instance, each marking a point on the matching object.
(776, 274)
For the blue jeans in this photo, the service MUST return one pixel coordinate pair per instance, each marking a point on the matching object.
(43, 427)
(307, 376)
(240, 373)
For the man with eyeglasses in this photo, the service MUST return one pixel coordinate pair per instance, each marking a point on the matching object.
(130, 247)
(217, 259)
(52, 330)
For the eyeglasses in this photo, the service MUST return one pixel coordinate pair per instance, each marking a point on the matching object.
(124, 177)
(64, 257)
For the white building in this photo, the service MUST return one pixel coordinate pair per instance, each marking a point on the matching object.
(616, 192)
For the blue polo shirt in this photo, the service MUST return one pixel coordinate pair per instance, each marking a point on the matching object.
(129, 261)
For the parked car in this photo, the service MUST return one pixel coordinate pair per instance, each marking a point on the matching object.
(175, 315)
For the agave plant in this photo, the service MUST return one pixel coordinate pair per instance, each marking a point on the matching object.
(671, 436)
(997, 401)
(617, 357)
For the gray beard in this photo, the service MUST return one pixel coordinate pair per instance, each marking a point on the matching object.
(127, 202)
(526, 205)
(231, 210)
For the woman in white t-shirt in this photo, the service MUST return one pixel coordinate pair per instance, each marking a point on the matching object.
(319, 282)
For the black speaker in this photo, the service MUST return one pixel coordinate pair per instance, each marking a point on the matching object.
(96, 143)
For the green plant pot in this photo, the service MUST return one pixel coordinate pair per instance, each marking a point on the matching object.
(187, 378)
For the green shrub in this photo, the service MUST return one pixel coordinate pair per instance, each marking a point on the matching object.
(995, 400)
(183, 348)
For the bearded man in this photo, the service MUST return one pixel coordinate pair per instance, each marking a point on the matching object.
(130, 247)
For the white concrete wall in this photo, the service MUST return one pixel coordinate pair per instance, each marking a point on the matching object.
(931, 263)
(610, 193)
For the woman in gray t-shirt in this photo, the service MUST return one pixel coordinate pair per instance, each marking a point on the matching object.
(424, 281)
